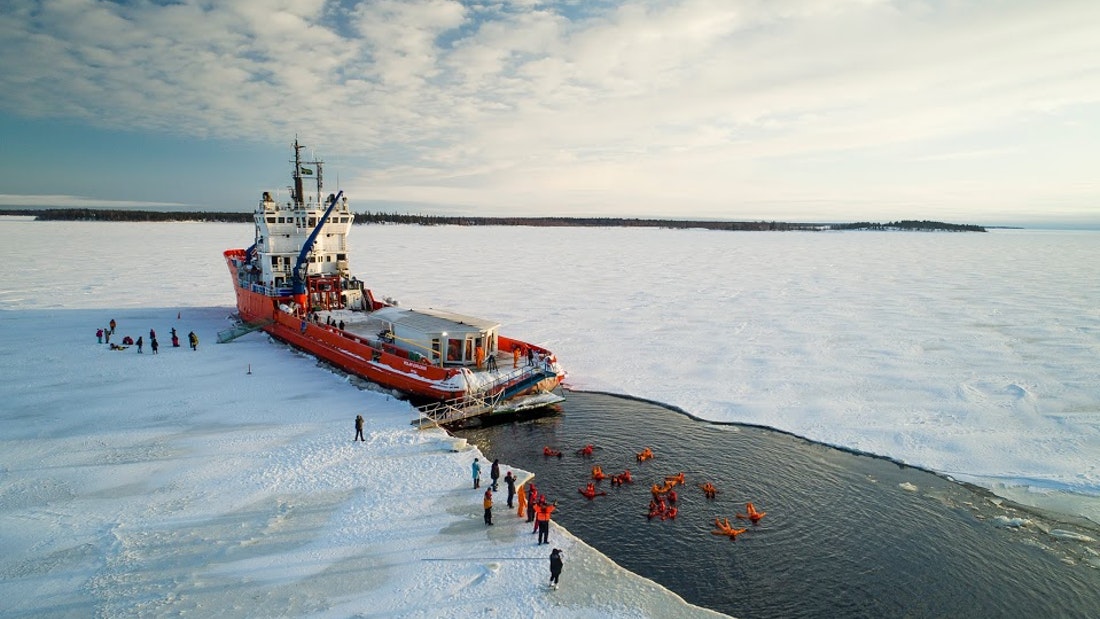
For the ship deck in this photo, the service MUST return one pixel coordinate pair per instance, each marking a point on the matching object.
(365, 325)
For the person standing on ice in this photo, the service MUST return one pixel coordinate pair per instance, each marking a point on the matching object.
(175, 339)
(475, 468)
(494, 473)
(154, 345)
(139, 344)
(359, 429)
(487, 503)
(99, 335)
(112, 326)
(555, 567)
(510, 481)
(193, 340)
(542, 518)
(532, 501)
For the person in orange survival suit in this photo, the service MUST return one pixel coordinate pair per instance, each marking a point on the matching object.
(542, 516)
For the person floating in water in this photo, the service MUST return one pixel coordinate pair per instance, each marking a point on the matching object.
(751, 514)
(589, 491)
(709, 490)
(724, 528)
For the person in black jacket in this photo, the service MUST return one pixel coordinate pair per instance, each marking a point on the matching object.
(510, 481)
(494, 473)
(555, 567)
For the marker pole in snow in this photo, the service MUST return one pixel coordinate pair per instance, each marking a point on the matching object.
(250, 368)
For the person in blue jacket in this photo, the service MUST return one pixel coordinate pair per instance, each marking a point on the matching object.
(476, 469)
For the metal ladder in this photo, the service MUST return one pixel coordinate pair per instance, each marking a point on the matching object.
(448, 411)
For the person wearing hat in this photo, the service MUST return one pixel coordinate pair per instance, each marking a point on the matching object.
(555, 567)
(487, 503)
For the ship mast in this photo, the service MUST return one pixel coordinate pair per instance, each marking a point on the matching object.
(315, 171)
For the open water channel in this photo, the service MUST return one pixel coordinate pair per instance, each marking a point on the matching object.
(845, 535)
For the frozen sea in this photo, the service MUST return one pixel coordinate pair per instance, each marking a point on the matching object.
(973, 355)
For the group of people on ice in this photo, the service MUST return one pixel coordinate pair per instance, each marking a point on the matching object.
(536, 506)
(103, 336)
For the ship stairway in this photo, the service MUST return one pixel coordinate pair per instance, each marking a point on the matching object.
(450, 411)
(528, 378)
(519, 380)
(241, 328)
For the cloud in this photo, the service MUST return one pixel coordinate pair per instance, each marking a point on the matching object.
(613, 103)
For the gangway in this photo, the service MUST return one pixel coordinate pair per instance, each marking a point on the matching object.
(241, 328)
(457, 409)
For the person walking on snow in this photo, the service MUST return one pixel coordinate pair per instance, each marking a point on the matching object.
(475, 468)
(154, 345)
(139, 344)
(487, 503)
(510, 481)
(359, 429)
(193, 340)
(494, 473)
(555, 567)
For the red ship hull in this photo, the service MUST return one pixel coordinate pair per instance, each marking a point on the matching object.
(354, 354)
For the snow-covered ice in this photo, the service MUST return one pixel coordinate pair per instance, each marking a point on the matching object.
(146, 485)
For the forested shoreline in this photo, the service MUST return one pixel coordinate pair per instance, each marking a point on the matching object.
(87, 214)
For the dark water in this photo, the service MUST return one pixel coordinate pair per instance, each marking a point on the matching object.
(845, 535)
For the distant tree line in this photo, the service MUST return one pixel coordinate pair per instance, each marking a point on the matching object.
(95, 214)
(584, 222)
(909, 224)
(89, 214)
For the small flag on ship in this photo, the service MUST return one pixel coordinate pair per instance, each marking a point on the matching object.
(307, 171)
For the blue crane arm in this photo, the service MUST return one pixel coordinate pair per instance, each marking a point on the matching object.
(298, 276)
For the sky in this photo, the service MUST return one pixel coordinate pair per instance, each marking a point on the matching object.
(223, 481)
(803, 110)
